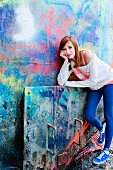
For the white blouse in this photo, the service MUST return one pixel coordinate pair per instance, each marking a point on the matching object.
(94, 75)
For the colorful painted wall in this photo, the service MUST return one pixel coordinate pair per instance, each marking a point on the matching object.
(30, 32)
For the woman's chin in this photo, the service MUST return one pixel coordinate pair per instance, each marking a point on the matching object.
(70, 58)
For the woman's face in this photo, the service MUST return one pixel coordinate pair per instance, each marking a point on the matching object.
(69, 50)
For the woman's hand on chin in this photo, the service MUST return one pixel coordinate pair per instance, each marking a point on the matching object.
(63, 55)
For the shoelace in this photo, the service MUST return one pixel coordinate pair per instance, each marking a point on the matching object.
(100, 136)
(101, 155)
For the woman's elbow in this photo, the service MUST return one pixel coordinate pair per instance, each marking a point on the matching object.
(61, 84)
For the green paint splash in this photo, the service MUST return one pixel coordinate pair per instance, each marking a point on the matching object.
(13, 2)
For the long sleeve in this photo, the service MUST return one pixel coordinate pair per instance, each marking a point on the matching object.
(64, 73)
(91, 81)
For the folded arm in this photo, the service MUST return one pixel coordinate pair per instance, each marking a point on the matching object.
(64, 73)
(92, 80)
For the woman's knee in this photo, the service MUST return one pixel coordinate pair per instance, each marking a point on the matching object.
(90, 119)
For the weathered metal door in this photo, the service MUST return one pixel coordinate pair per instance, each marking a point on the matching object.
(53, 116)
(38, 121)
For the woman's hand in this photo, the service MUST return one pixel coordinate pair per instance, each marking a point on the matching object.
(63, 55)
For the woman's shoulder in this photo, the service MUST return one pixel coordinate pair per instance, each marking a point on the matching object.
(88, 55)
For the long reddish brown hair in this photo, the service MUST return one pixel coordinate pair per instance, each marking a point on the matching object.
(78, 58)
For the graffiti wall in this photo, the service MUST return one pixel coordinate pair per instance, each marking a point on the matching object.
(30, 32)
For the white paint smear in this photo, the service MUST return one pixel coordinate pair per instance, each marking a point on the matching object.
(25, 24)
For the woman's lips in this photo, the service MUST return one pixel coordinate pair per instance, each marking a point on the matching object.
(68, 55)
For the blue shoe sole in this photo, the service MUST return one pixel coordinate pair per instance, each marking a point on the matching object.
(101, 162)
(98, 163)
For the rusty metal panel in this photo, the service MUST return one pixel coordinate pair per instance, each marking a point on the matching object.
(52, 117)
(38, 126)
(55, 133)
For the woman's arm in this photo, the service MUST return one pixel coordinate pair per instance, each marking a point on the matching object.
(64, 73)
(91, 81)
(93, 70)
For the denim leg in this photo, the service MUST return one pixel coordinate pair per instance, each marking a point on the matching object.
(108, 113)
(93, 99)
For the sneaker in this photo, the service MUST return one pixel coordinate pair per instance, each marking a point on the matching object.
(101, 158)
(101, 139)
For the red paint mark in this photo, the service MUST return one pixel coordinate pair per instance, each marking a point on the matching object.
(78, 135)
(28, 80)
(112, 64)
(37, 68)
(74, 140)
(40, 68)
(92, 145)
(3, 57)
(48, 23)
(48, 18)
(2, 70)
(17, 50)
(67, 21)
(90, 148)
(110, 26)
(51, 22)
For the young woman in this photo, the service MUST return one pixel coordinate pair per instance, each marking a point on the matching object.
(98, 76)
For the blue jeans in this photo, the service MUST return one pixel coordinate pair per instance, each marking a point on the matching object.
(93, 99)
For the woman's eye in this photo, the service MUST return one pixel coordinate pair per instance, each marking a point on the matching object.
(70, 47)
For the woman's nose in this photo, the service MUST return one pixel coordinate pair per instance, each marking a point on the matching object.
(68, 51)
